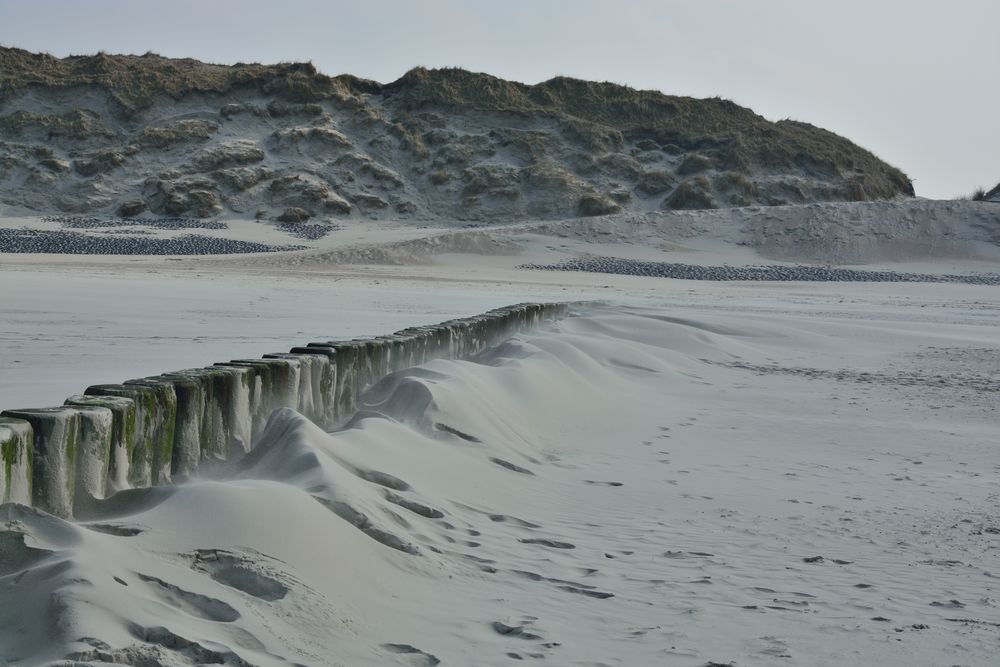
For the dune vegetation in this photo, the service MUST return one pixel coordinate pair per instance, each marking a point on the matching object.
(436, 143)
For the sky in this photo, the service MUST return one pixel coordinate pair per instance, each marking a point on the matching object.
(915, 81)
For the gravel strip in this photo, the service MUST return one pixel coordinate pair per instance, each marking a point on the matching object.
(74, 243)
(306, 232)
(630, 267)
(78, 222)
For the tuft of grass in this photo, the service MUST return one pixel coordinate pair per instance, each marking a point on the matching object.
(134, 82)
(75, 124)
(736, 187)
(552, 177)
(981, 194)
(655, 182)
(594, 204)
(694, 163)
(439, 177)
(178, 132)
(691, 194)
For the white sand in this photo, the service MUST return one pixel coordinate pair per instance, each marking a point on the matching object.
(65, 328)
(690, 444)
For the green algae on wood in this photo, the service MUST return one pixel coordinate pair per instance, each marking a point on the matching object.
(56, 432)
(93, 453)
(123, 431)
(140, 470)
(16, 451)
(162, 404)
(186, 451)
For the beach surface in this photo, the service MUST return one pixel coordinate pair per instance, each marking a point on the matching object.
(682, 472)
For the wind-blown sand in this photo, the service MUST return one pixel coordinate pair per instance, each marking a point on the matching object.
(689, 473)
(678, 483)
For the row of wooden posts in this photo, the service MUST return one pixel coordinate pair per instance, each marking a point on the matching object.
(160, 429)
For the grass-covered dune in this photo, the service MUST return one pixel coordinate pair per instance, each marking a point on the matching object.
(122, 133)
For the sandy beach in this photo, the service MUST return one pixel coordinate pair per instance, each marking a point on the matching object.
(682, 472)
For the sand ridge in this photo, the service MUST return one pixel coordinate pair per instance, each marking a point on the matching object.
(484, 497)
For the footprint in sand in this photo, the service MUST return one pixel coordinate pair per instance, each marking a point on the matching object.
(114, 529)
(241, 574)
(510, 466)
(517, 631)
(950, 604)
(502, 518)
(554, 544)
(193, 604)
(414, 656)
(455, 432)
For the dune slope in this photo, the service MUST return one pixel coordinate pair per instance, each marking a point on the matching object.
(147, 135)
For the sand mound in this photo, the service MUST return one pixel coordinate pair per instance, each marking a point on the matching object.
(591, 494)
(419, 251)
(827, 233)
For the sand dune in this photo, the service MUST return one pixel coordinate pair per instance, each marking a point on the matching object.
(284, 143)
(656, 483)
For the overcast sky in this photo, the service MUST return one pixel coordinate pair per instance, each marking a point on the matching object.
(915, 81)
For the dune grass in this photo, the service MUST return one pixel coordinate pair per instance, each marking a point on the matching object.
(600, 118)
(134, 82)
(731, 137)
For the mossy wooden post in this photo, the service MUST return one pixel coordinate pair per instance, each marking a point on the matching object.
(378, 352)
(278, 387)
(399, 357)
(258, 383)
(322, 365)
(478, 335)
(442, 341)
(211, 423)
(226, 416)
(93, 454)
(287, 389)
(56, 435)
(324, 381)
(456, 331)
(422, 351)
(496, 329)
(239, 424)
(306, 395)
(350, 365)
(261, 382)
(140, 467)
(123, 430)
(163, 408)
(363, 365)
(186, 452)
(286, 384)
(16, 453)
(415, 344)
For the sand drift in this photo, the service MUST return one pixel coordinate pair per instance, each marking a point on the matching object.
(604, 492)
(153, 430)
